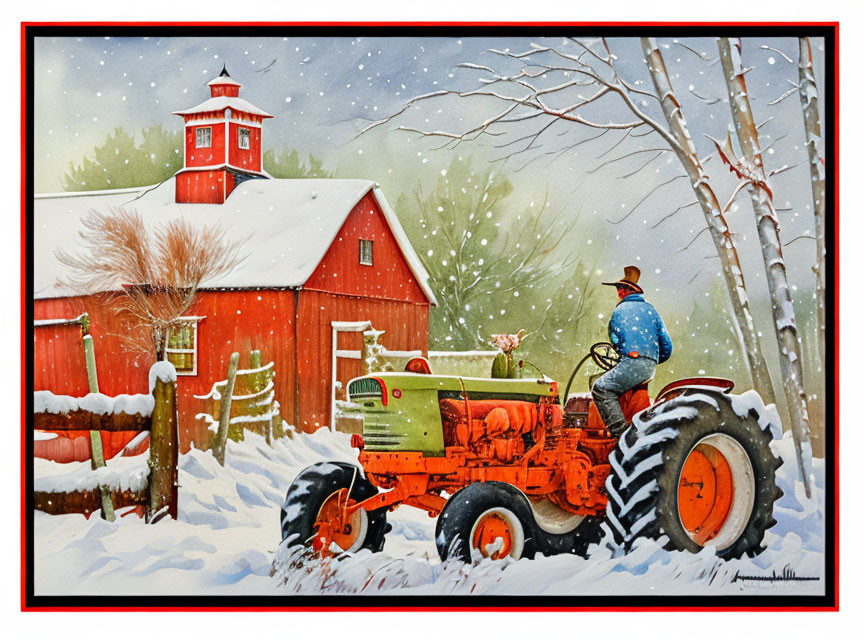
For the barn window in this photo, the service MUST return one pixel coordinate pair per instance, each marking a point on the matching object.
(366, 252)
(182, 349)
(242, 138)
(203, 136)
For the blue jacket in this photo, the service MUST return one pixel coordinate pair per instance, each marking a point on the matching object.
(636, 325)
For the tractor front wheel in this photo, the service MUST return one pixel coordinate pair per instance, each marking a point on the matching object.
(486, 519)
(316, 511)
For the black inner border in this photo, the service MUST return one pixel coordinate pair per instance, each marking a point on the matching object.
(827, 601)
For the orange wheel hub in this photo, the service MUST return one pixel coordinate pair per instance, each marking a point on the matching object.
(334, 525)
(493, 536)
(705, 493)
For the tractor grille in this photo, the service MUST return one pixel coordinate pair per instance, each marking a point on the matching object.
(364, 387)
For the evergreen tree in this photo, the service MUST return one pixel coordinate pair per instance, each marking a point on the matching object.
(119, 162)
(287, 164)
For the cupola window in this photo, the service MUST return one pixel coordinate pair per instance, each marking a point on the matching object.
(203, 137)
(242, 138)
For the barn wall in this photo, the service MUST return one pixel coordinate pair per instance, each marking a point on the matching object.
(239, 321)
(340, 270)
(59, 357)
(406, 326)
(265, 321)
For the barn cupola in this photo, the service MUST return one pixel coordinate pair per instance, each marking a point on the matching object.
(221, 144)
(224, 85)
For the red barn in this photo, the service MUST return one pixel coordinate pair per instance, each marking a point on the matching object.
(326, 259)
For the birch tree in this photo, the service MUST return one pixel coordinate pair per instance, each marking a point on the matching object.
(809, 95)
(750, 170)
(547, 91)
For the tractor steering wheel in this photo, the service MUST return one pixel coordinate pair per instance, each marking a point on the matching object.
(604, 355)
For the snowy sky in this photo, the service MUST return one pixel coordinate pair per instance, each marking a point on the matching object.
(321, 89)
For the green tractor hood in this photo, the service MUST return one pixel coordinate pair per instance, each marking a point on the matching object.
(400, 410)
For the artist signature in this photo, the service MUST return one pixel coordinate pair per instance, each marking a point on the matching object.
(787, 575)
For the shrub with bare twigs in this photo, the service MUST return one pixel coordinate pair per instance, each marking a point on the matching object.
(150, 279)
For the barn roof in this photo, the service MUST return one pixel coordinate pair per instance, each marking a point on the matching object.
(287, 227)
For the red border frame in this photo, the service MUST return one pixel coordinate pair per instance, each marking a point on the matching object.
(836, 266)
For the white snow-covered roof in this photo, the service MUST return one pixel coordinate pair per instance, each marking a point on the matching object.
(220, 79)
(286, 225)
(224, 102)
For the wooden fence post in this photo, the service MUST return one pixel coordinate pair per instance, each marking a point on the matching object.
(276, 421)
(257, 382)
(164, 449)
(225, 410)
(97, 457)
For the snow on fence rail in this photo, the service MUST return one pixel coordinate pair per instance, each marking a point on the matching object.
(149, 481)
(248, 396)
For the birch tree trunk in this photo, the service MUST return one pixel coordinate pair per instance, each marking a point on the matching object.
(813, 128)
(768, 227)
(711, 208)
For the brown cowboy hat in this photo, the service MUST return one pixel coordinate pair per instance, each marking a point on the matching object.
(629, 281)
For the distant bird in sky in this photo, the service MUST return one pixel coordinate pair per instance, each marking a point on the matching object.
(267, 68)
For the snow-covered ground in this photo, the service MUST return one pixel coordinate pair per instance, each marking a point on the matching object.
(227, 539)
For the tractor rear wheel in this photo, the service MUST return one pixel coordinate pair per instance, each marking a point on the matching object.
(486, 519)
(698, 471)
(315, 511)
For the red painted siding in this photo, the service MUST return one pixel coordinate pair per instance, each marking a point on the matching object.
(208, 187)
(340, 270)
(244, 158)
(265, 322)
(206, 156)
(239, 321)
(217, 90)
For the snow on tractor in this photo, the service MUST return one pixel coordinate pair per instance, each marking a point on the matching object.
(525, 475)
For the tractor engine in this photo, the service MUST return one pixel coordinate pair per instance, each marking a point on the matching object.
(497, 429)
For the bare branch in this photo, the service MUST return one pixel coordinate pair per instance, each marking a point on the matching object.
(644, 166)
(689, 244)
(786, 244)
(764, 122)
(669, 215)
(794, 89)
(785, 167)
(767, 48)
(703, 56)
(625, 156)
(645, 197)
(705, 100)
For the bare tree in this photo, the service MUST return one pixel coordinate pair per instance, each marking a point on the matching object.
(548, 90)
(149, 281)
(813, 128)
(750, 170)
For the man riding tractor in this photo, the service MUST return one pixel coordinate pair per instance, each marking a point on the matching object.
(639, 336)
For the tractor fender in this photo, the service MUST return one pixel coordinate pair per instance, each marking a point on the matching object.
(711, 385)
(712, 395)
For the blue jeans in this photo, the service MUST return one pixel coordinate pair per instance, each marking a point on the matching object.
(609, 387)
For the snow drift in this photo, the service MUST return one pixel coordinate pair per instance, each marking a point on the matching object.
(227, 541)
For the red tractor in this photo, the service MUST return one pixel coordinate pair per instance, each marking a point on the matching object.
(510, 472)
